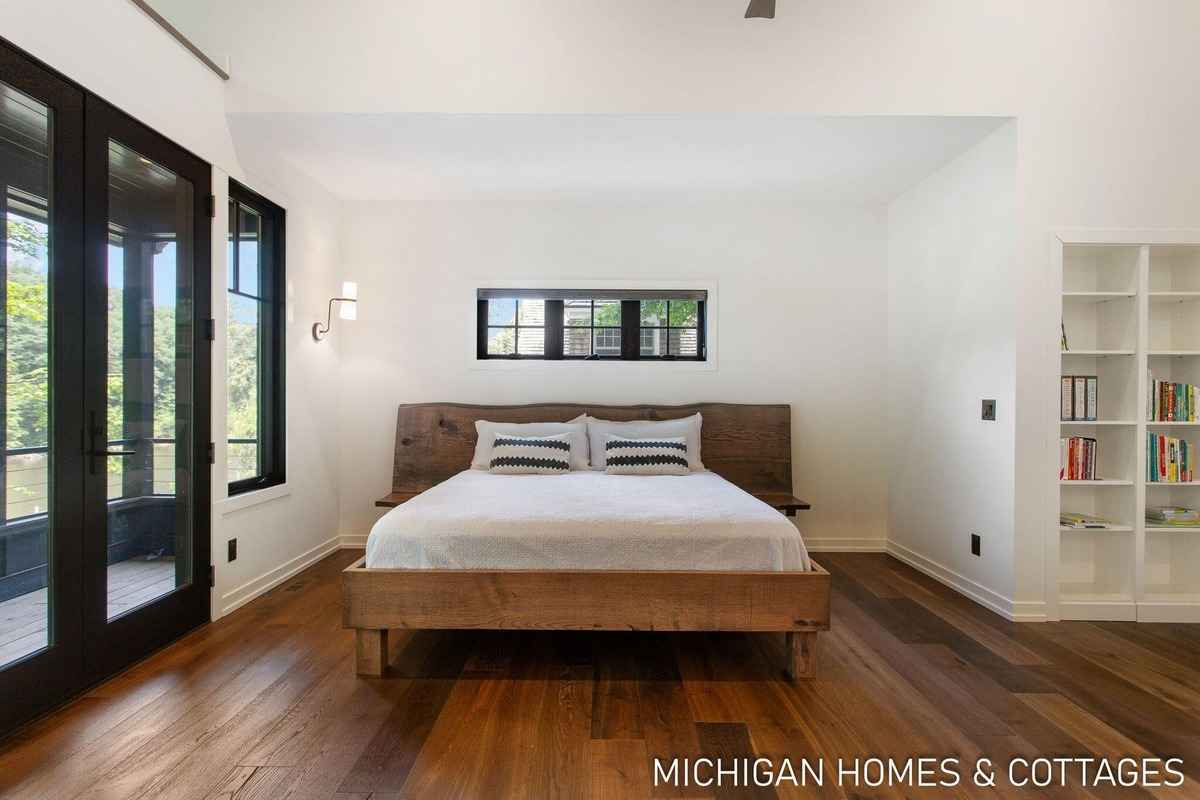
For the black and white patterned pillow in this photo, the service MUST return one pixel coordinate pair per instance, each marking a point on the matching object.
(531, 455)
(661, 455)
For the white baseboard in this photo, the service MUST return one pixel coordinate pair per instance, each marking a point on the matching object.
(988, 598)
(352, 541)
(1029, 611)
(844, 545)
(236, 598)
(1168, 612)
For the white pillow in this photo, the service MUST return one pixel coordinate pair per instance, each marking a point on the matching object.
(487, 431)
(688, 427)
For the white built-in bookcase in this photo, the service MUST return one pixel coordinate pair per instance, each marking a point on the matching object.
(1131, 307)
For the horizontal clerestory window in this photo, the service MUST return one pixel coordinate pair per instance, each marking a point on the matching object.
(570, 324)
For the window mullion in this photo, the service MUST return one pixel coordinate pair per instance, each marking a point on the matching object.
(552, 342)
(631, 334)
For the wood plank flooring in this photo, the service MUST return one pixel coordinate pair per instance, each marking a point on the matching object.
(23, 619)
(265, 704)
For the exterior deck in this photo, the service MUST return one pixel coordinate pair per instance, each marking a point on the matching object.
(23, 620)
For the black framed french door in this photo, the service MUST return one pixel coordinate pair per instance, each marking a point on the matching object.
(41, 206)
(147, 237)
(105, 238)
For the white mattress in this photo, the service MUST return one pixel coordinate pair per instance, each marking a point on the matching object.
(586, 520)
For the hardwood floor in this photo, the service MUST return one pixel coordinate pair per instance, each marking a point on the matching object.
(265, 704)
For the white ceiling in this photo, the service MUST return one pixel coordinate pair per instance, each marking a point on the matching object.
(398, 156)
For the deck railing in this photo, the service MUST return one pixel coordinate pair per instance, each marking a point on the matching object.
(27, 473)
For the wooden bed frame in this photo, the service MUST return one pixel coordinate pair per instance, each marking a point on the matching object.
(748, 445)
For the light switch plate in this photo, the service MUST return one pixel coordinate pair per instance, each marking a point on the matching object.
(989, 410)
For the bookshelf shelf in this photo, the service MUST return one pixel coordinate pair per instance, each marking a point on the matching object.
(1099, 297)
(1131, 315)
(1162, 298)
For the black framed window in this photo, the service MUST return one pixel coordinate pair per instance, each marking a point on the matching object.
(669, 328)
(254, 349)
(556, 324)
(591, 328)
(515, 328)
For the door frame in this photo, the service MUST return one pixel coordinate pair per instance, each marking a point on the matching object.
(112, 645)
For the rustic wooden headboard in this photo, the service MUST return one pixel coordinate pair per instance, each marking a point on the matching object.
(748, 445)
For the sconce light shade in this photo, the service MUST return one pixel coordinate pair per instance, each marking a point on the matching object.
(761, 9)
(348, 308)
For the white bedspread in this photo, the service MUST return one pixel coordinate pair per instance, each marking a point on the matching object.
(586, 520)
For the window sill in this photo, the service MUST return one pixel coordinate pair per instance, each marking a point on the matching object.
(246, 500)
(505, 364)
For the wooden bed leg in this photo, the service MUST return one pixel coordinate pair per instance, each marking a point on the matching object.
(371, 652)
(801, 654)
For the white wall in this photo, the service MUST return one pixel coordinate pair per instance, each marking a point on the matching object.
(283, 529)
(800, 305)
(1104, 90)
(113, 49)
(951, 315)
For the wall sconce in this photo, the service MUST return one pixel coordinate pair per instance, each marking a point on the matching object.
(347, 309)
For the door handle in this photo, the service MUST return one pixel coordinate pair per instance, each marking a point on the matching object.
(97, 453)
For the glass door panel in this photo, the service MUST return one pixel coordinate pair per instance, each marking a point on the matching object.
(143, 445)
(25, 485)
(146, 387)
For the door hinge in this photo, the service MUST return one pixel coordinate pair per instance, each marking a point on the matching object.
(212, 453)
(210, 329)
(210, 205)
(212, 576)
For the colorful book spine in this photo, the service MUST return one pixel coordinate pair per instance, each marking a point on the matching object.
(1169, 460)
(1077, 458)
(1171, 402)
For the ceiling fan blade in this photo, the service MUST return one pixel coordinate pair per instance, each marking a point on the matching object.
(764, 9)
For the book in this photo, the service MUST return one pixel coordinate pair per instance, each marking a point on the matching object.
(1167, 513)
(1077, 458)
(1171, 402)
(1071, 519)
(1079, 398)
(1173, 517)
(1169, 460)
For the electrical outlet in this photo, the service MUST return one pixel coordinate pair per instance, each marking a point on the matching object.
(989, 410)
(976, 544)
(232, 550)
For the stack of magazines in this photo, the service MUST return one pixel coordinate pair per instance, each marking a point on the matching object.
(1071, 519)
(1173, 517)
